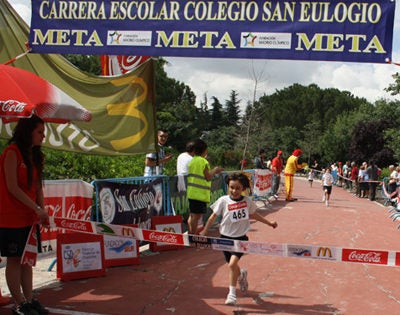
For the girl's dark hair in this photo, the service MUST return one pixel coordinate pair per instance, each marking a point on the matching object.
(22, 137)
(199, 146)
(241, 177)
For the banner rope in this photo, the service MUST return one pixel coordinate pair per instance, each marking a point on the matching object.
(307, 251)
(19, 56)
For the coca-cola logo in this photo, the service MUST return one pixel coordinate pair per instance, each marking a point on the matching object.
(74, 225)
(365, 256)
(161, 237)
(12, 106)
(263, 181)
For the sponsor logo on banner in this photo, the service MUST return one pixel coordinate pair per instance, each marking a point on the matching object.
(223, 244)
(328, 253)
(129, 38)
(127, 231)
(266, 40)
(163, 237)
(365, 256)
(200, 241)
(265, 249)
(74, 225)
(299, 251)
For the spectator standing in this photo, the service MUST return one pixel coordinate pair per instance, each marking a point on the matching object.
(363, 181)
(340, 174)
(259, 162)
(21, 208)
(199, 184)
(373, 174)
(310, 176)
(354, 178)
(155, 161)
(236, 211)
(182, 162)
(276, 168)
(292, 166)
(182, 165)
(346, 174)
(393, 178)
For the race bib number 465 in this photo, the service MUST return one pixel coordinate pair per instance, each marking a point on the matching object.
(238, 211)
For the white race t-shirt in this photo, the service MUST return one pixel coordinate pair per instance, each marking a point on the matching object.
(235, 215)
(182, 163)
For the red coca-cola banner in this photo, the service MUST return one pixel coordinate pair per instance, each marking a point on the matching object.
(368, 256)
(65, 199)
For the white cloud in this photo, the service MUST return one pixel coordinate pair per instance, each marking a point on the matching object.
(218, 77)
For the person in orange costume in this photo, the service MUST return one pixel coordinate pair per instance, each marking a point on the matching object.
(291, 168)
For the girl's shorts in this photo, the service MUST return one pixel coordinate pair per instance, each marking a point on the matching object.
(13, 241)
(227, 254)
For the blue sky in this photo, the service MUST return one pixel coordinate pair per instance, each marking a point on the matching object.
(218, 77)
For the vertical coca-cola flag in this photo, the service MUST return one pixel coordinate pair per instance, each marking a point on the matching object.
(65, 199)
(116, 65)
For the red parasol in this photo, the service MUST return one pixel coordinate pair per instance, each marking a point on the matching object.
(23, 93)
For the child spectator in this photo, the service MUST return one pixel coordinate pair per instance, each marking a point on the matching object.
(311, 176)
(199, 184)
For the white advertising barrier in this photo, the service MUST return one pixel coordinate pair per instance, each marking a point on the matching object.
(322, 252)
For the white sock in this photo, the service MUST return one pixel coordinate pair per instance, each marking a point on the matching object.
(232, 290)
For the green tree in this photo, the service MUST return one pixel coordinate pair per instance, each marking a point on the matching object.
(232, 110)
(87, 63)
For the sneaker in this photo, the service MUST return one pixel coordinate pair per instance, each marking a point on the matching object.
(276, 197)
(39, 308)
(327, 203)
(243, 280)
(24, 309)
(323, 198)
(230, 299)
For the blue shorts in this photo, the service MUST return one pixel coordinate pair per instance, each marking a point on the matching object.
(227, 254)
(198, 207)
(13, 241)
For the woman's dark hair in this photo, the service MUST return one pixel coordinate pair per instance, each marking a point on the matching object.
(22, 137)
(199, 146)
(241, 177)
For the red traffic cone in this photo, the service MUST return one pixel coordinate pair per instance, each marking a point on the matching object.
(3, 299)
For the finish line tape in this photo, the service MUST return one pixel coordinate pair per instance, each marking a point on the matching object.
(320, 252)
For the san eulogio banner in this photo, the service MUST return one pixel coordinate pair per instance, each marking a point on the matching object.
(355, 31)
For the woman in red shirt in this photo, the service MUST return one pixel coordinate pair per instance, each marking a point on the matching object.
(21, 207)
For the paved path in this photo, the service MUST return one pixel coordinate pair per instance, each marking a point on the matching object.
(193, 281)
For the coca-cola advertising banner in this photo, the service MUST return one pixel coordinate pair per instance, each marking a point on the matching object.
(377, 257)
(122, 203)
(65, 199)
(262, 182)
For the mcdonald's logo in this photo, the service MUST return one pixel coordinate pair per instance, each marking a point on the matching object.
(126, 231)
(324, 252)
(169, 229)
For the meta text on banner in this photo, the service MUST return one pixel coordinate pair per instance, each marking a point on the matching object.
(356, 31)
